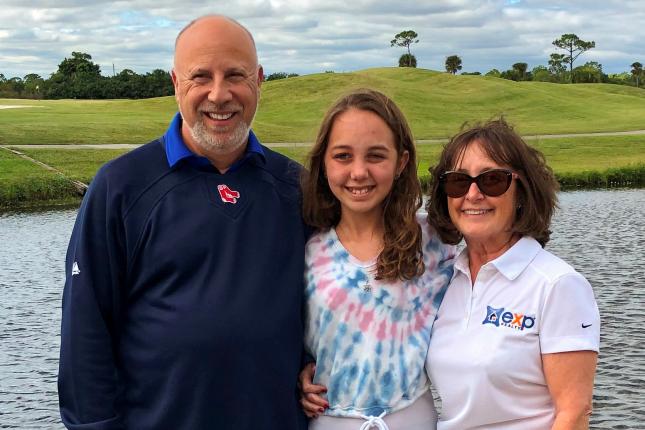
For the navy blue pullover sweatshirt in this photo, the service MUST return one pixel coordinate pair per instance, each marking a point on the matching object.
(182, 310)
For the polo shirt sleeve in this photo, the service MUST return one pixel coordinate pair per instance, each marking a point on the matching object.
(570, 317)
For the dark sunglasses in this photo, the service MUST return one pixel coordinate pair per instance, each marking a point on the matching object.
(493, 183)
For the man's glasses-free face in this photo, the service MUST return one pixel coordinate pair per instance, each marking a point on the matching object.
(492, 183)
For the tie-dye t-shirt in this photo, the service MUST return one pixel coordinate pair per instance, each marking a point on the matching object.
(370, 338)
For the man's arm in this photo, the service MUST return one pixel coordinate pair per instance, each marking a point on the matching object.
(88, 385)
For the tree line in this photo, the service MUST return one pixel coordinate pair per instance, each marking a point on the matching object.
(560, 65)
(78, 77)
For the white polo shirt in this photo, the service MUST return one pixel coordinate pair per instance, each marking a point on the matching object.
(485, 353)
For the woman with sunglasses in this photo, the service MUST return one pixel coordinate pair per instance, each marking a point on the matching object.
(515, 342)
(375, 272)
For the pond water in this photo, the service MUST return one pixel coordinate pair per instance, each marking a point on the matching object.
(601, 233)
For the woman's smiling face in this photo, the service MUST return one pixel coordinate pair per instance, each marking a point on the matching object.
(481, 218)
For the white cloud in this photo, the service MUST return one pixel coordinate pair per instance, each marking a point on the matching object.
(306, 36)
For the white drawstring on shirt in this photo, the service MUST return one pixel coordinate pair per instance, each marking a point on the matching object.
(374, 422)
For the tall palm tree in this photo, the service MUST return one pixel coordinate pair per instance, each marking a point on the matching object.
(637, 71)
(453, 64)
(520, 70)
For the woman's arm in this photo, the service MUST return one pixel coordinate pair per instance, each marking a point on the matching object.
(569, 377)
(311, 398)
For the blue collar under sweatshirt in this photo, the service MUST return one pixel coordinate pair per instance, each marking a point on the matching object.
(176, 149)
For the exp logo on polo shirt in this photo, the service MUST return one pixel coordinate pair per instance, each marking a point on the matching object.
(500, 317)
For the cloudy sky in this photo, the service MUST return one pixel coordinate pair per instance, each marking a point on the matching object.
(310, 36)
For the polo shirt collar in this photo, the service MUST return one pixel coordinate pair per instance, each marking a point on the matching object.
(461, 263)
(511, 263)
(176, 149)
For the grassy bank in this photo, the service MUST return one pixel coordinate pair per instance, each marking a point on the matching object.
(23, 183)
(582, 162)
(620, 177)
(578, 162)
(77, 164)
(629, 176)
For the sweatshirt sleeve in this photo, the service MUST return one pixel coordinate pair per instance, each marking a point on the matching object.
(88, 380)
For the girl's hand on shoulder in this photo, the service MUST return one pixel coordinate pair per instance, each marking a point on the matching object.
(311, 394)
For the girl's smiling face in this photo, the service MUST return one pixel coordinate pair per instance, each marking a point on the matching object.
(361, 162)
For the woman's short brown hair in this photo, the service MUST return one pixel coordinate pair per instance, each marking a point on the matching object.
(536, 185)
(401, 256)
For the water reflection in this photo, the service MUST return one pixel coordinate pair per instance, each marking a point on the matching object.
(31, 276)
(601, 233)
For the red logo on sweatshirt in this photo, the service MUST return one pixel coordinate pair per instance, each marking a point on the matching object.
(228, 195)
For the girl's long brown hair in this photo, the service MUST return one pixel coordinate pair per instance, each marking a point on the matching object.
(401, 257)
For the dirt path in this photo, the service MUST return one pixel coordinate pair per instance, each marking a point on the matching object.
(557, 136)
(81, 187)
(307, 144)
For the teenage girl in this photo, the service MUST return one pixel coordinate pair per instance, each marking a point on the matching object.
(375, 272)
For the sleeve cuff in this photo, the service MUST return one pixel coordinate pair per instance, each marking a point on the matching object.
(569, 343)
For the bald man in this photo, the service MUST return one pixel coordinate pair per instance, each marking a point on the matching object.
(184, 272)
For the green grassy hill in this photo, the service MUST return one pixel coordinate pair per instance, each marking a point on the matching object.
(436, 104)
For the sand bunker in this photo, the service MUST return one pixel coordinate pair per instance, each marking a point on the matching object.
(17, 106)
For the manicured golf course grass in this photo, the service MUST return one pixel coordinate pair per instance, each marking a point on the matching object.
(436, 105)
(78, 164)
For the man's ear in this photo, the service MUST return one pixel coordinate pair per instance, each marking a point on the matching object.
(260, 75)
(175, 82)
